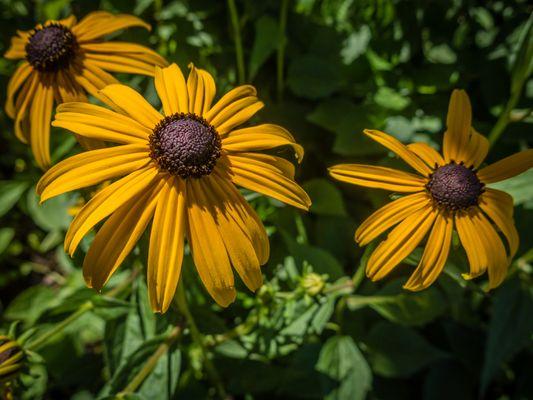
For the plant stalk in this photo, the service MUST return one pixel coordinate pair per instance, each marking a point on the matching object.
(234, 16)
(281, 47)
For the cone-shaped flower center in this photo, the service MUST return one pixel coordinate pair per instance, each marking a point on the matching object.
(185, 145)
(455, 186)
(51, 48)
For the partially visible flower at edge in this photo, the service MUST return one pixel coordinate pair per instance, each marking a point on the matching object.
(450, 191)
(179, 169)
(64, 60)
(11, 358)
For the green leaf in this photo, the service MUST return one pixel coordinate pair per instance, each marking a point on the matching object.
(10, 192)
(265, 44)
(52, 214)
(6, 236)
(510, 327)
(389, 98)
(356, 44)
(312, 77)
(30, 304)
(519, 187)
(343, 362)
(397, 351)
(327, 199)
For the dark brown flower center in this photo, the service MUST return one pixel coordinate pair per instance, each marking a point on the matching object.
(51, 48)
(455, 186)
(185, 145)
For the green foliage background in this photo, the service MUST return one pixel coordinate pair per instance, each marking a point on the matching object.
(333, 68)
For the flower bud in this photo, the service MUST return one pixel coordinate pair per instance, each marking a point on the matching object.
(313, 283)
(11, 358)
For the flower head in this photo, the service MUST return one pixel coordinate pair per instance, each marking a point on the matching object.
(11, 358)
(63, 61)
(178, 170)
(449, 192)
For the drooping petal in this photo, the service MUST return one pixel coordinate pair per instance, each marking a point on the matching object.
(22, 106)
(458, 122)
(434, 256)
(427, 153)
(237, 241)
(472, 243)
(124, 63)
(269, 182)
(101, 23)
(507, 168)
(208, 250)
(126, 49)
(97, 122)
(91, 168)
(400, 150)
(502, 215)
(389, 215)
(261, 137)
(16, 82)
(172, 89)
(105, 202)
(166, 244)
(132, 104)
(377, 177)
(276, 165)
(496, 255)
(40, 116)
(245, 216)
(117, 238)
(400, 242)
(201, 88)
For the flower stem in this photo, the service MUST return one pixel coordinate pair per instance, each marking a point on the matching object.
(505, 117)
(237, 39)
(45, 337)
(199, 339)
(282, 41)
(147, 368)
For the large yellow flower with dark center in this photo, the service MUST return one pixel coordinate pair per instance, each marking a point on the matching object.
(64, 60)
(180, 170)
(449, 192)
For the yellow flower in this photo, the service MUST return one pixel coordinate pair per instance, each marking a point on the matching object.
(11, 358)
(180, 169)
(64, 60)
(449, 191)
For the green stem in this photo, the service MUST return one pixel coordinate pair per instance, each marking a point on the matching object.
(505, 117)
(358, 277)
(147, 368)
(198, 338)
(238, 42)
(45, 337)
(300, 228)
(281, 47)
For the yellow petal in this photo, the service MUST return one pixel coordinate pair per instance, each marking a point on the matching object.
(234, 95)
(236, 114)
(122, 63)
(91, 168)
(17, 49)
(40, 116)
(261, 137)
(97, 122)
(400, 242)
(271, 183)
(126, 49)
(201, 88)
(241, 252)
(389, 215)
(476, 149)
(434, 256)
(208, 250)
(244, 215)
(276, 165)
(400, 150)
(166, 244)
(377, 177)
(507, 168)
(117, 238)
(105, 202)
(502, 217)
(16, 82)
(172, 89)
(132, 104)
(101, 23)
(458, 122)
(472, 243)
(22, 106)
(427, 153)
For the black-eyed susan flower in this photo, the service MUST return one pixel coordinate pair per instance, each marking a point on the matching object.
(179, 170)
(64, 60)
(448, 192)
(11, 358)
